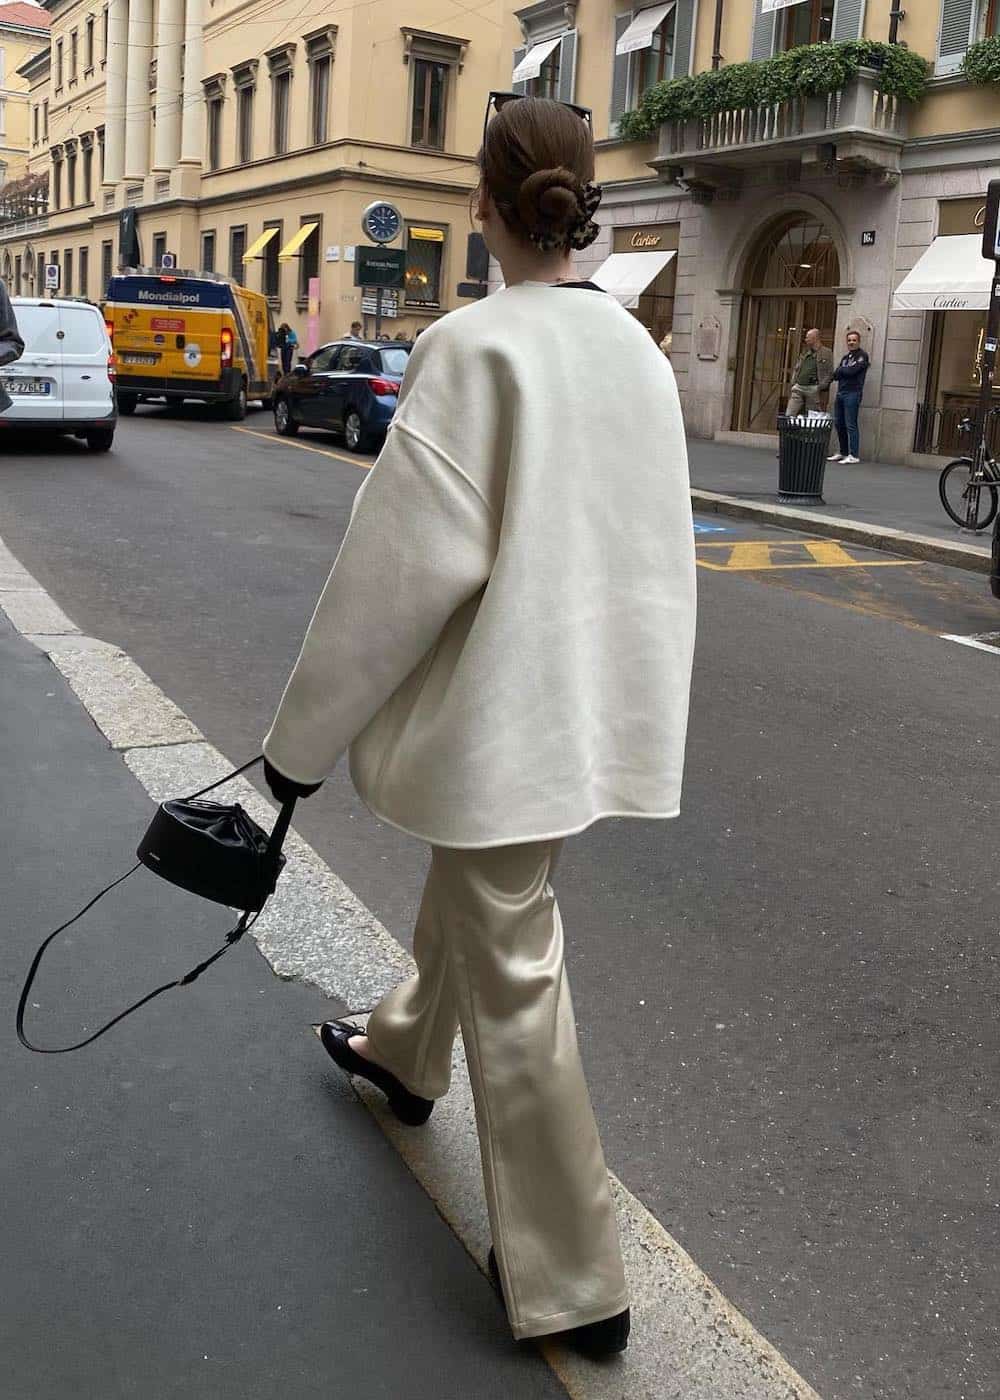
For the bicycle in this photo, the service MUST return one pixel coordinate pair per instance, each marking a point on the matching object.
(969, 491)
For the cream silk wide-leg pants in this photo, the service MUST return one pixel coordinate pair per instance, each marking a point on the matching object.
(488, 946)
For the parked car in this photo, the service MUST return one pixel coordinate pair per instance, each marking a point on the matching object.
(349, 387)
(65, 380)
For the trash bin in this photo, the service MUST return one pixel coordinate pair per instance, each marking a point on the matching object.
(803, 445)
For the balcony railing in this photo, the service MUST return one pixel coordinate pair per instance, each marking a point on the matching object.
(867, 127)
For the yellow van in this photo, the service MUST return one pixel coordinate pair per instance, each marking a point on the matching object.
(190, 335)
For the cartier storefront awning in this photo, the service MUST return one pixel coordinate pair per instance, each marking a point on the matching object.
(627, 275)
(952, 275)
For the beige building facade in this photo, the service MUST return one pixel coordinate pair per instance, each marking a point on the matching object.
(810, 213)
(249, 139)
(24, 32)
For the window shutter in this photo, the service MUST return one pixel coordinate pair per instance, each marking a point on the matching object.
(567, 66)
(957, 17)
(621, 76)
(848, 20)
(683, 37)
(762, 42)
(518, 55)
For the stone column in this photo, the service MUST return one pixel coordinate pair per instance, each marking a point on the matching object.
(140, 50)
(167, 140)
(193, 108)
(114, 92)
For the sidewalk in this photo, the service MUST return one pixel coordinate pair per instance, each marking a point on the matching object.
(890, 507)
(197, 1206)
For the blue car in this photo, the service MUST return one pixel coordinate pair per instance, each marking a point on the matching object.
(348, 387)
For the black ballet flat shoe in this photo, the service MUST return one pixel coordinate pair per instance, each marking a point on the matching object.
(596, 1340)
(408, 1108)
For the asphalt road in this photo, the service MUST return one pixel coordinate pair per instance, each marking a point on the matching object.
(788, 998)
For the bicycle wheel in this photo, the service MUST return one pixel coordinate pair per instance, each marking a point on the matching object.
(971, 504)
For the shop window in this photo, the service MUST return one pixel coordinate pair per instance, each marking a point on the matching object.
(208, 251)
(309, 256)
(424, 260)
(430, 90)
(237, 247)
(954, 379)
(808, 22)
(270, 276)
(84, 266)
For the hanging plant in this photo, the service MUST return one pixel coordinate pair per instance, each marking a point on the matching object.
(982, 61)
(810, 71)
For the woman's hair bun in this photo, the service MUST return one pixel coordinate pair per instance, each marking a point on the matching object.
(550, 201)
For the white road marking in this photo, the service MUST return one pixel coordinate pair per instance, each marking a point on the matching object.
(977, 640)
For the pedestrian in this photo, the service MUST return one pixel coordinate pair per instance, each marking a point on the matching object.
(287, 342)
(505, 643)
(401, 335)
(11, 342)
(356, 331)
(850, 376)
(811, 376)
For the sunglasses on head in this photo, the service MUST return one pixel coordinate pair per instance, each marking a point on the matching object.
(498, 100)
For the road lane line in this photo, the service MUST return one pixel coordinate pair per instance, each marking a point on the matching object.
(303, 446)
(689, 1342)
(975, 641)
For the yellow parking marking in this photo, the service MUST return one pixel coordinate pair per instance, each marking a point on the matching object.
(303, 446)
(755, 556)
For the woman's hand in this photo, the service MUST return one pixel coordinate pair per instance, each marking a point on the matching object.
(284, 789)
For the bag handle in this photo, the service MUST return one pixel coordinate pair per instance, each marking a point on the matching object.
(245, 921)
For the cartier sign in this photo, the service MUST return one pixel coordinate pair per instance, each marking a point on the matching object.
(645, 240)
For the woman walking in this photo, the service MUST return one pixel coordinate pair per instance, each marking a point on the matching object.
(505, 643)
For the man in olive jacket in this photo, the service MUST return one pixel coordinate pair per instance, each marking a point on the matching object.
(811, 377)
(11, 344)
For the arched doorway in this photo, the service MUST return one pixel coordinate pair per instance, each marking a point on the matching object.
(790, 285)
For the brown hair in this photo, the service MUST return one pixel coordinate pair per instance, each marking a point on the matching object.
(537, 156)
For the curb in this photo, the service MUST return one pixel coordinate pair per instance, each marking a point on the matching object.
(925, 547)
(689, 1341)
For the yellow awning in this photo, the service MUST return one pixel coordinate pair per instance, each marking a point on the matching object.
(295, 242)
(429, 235)
(255, 247)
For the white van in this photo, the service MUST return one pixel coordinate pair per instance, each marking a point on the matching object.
(64, 381)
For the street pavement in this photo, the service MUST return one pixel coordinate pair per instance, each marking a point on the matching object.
(786, 999)
(197, 1205)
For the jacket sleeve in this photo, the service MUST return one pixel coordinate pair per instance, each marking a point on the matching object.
(847, 373)
(420, 543)
(824, 372)
(11, 344)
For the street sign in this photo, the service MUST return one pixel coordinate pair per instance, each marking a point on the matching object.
(379, 267)
(52, 277)
(168, 261)
(868, 238)
(390, 303)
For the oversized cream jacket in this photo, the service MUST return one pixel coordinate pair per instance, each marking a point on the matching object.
(505, 640)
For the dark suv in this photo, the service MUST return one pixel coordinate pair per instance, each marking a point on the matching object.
(349, 387)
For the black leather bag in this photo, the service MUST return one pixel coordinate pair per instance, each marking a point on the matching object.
(211, 849)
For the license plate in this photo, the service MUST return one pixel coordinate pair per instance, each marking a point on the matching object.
(27, 386)
(133, 359)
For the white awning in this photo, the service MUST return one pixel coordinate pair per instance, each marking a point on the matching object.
(627, 275)
(952, 275)
(531, 64)
(639, 34)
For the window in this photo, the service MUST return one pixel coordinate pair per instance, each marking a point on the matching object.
(88, 50)
(324, 360)
(17, 274)
(159, 248)
(270, 276)
(214, 133)
(104, 41)
(320, 100)
(809, 22)
(67, 287)
(3, 116)
(56, 183)
(84, 266)
(656, 63)
(547, 82)
(424, 250)
(989, 19)
(309, 255)
(45, 120)
(59, 65)
(430, 89)
(106, 265)
(71, 179)
(281, 90)
(244, 125)
(35, 126)
(74, 53)
(208, 251)
(88, 174)
(100, 151)
(237, 247)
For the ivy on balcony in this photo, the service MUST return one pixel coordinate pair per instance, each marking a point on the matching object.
(810, 71)
(982, 61)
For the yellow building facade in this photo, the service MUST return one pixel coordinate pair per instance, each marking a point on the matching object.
(24, 31)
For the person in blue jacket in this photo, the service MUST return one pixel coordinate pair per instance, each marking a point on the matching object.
(850, 376)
